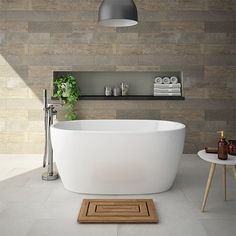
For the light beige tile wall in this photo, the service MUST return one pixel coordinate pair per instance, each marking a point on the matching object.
(196, 37)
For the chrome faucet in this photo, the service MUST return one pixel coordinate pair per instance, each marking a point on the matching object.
(49, 113)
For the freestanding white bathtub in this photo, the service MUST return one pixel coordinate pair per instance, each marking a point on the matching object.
(117, 156)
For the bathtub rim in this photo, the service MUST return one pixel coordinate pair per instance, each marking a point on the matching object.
(55, 127)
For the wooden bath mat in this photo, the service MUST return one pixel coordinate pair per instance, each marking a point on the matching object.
(117, 211)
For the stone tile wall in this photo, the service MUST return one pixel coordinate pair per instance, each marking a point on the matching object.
(40, 36)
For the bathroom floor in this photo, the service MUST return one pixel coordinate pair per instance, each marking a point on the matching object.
(32, 207)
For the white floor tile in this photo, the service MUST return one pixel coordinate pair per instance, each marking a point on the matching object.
(19, 227)
(60, 194)
(25, 194)
(63, 227)
(220, 227)
(168, 227)
(26, 210)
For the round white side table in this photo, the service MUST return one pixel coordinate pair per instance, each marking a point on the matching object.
(213, 159)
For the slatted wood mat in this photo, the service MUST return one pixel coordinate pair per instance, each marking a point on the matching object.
(117, 211)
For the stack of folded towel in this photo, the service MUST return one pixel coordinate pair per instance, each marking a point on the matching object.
(166, 86)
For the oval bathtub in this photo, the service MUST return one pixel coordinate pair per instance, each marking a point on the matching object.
(117, 156)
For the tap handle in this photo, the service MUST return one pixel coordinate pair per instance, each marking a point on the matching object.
(45, 99)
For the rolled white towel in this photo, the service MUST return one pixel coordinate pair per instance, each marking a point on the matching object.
(166, 80)
(158, 80)
(178, 85)
(174, 80)
(168, 90)
(167, 94)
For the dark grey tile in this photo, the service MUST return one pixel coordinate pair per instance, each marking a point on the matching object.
(2, 37)
(25, 15)
(150, 27)
(192, 4)
(217, 115)
(71, 60)
(214, 27)
(220, 38)
(203, 15)
(222, 60)
(138, 114)
(54, 27)
(116, 60)
(16, 37)
(222, 5)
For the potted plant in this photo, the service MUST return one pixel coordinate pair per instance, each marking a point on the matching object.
(68, 91)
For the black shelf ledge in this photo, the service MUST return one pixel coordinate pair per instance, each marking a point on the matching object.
(130, 97)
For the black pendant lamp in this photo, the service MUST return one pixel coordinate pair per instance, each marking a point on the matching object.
(118, 13)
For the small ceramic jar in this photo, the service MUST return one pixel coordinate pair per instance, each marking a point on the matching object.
(116, 92)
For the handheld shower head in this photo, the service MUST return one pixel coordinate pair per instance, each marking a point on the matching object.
(45, 99)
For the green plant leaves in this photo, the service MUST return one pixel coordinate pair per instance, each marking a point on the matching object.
(72, 94)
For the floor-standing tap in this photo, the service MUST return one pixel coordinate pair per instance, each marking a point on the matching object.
(49, 112)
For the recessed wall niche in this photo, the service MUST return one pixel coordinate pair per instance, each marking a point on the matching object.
(141, 86)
